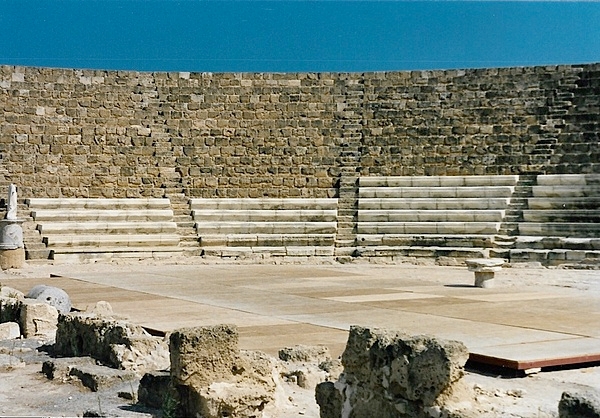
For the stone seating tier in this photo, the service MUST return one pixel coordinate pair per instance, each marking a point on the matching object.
(112, 215)
(563, 205)
(229, 227)
(417, 252)
(465, 204)
(438, 181)
(451, 216)
(549, 257)
(100, 203)
(86, 229)
(455, 216)
(425, 240)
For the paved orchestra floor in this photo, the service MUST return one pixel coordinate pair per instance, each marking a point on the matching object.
(531, 318)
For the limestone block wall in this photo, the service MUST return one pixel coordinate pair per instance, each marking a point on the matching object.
(73, 133)
(485, 121)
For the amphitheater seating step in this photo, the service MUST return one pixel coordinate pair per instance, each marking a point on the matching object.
(455, 216)
(563, 205)
(230, 227)
(77, 229)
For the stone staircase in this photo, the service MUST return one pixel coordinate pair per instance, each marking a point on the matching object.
(265, 227)
(430, 216)
(509, 229)
(75, 229)
(35, 249)
(182, 216)
(562, 221)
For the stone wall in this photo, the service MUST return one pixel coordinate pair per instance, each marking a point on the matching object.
(73, 133)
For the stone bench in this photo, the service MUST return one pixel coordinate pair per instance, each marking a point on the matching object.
(277, 227)
(392, 211)
(77, 229)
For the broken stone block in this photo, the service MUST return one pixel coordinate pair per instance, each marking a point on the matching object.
(10, 304)
(38, 320)
(391, 374)
(95, 377)
(329, 399)
(8, 361)
(53, 296)
(333, 368)
(101, 308)
(214, 379)
(231, 399)
(60, 368)
(9, 292)
(302, 365)
(86, 371)
(200, 356)
(113, 342)
(304, 353)
(9, 331)
(579, 405)
(154, 388)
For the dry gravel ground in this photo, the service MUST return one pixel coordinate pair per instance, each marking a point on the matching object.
(25, 391)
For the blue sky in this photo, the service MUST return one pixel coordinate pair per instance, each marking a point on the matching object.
(300, 35)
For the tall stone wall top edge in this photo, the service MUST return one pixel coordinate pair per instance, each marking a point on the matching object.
(508, 70)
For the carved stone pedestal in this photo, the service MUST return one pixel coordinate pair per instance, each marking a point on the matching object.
(12, 259)
(484, 269)
(12, 251)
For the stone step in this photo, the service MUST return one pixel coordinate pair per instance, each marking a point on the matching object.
(436, 192)
(415, 251)
(299, 215)
(76, 203)
(53, 228)
(438, 181)
(428, 227)
(37, 253)
(529, 242)
(431, 215)
(107, 241)
(108, 215)
(264, 203)
(549, 257)
(432, 240)
(566, 191)
(63, 255)
(285, 251)
(509, 228)
(560, 229)
(568, 179)
(562, 216)
(431, 204)
(577, 203)
(265, 227)
(185, 224)
(267, 240)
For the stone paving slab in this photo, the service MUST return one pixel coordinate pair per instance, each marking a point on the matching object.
(275, 306)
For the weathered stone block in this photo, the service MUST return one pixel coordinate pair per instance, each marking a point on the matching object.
(10, 308)
(579, 405)
(304, 353)
(9, 331)
(201, 355)
(387, 373)
(114, 342)
(154, 388)
(38, 319)
(214, 379)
